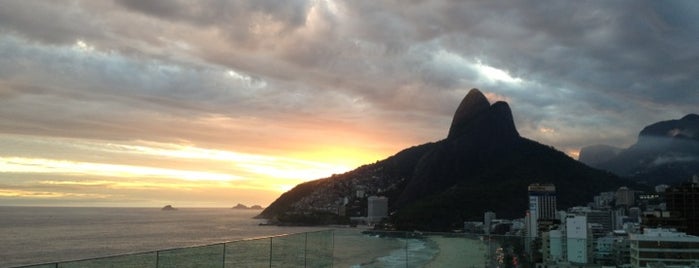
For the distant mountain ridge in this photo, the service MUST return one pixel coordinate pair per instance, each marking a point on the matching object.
(596, 154)
(666, 152)
(482, 165)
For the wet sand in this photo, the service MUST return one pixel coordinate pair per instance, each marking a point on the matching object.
(353, 249)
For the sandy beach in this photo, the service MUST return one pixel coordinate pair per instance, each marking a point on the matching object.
(353, 249)
(458, 252)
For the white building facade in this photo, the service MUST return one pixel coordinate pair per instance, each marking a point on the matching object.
(578, 239)
(377, 208)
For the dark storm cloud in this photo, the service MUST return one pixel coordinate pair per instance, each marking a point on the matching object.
(47, 22)
(577, 72)
(218, 12)
(238, 18)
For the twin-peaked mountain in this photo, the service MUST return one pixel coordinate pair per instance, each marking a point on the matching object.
(483, 164)
(666, 152)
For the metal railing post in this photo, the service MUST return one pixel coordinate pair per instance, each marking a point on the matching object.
(332, 250)
(223, 258)
(406, 249)
(270, 252)
(305, 250)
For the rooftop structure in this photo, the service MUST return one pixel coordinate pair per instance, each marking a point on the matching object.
(666, 246)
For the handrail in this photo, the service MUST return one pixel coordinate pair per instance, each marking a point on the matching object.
(339, 247)
(157, 252)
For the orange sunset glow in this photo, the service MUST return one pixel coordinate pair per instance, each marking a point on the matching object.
(214, 103)
(214, 177)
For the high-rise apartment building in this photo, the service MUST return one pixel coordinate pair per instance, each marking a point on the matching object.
(684, 200)
(542, 200)
(542, 206)
(602, 217)
(625, 197)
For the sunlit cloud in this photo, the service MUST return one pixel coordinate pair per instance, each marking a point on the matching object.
(141, 184)
(573, 153)
(494, 97)
(453, 62)
(82, 46)
(39, 165)
(248, 171)
(47, 194)
(153, 167)
(331, 5)
(547, 130)
(494, 74)
(264, 166)
(249, 81)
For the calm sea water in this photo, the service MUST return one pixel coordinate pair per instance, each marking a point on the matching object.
(30, 235)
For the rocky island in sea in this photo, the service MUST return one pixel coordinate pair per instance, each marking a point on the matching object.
(241, 206)
(168, 208)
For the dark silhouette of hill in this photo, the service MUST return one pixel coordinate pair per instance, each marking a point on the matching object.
(482, 165)
(666, 152)
(387, 177)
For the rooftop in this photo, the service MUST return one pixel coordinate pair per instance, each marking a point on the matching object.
(662, 234)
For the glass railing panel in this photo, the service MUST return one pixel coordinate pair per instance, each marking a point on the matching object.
(369, 248)
(248, 253)
(398, 256)
(289, 250)
(361, 248)
(204, 256)
(450, 250)
(319, 249)
(351, 248)
(133, 260)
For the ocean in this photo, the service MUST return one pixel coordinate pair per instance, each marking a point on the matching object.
(31, 235)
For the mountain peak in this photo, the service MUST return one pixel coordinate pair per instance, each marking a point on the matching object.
(685, 128)
(666, 153)
(691, 117)
(501, 114)
(476, 115)
(471, 106)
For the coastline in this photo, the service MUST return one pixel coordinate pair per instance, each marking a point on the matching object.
(356, 249)
(361, 250)
(457, 252)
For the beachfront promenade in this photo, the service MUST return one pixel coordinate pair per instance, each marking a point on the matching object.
(327, 248)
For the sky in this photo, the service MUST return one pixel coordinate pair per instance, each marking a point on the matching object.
(211, 103)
